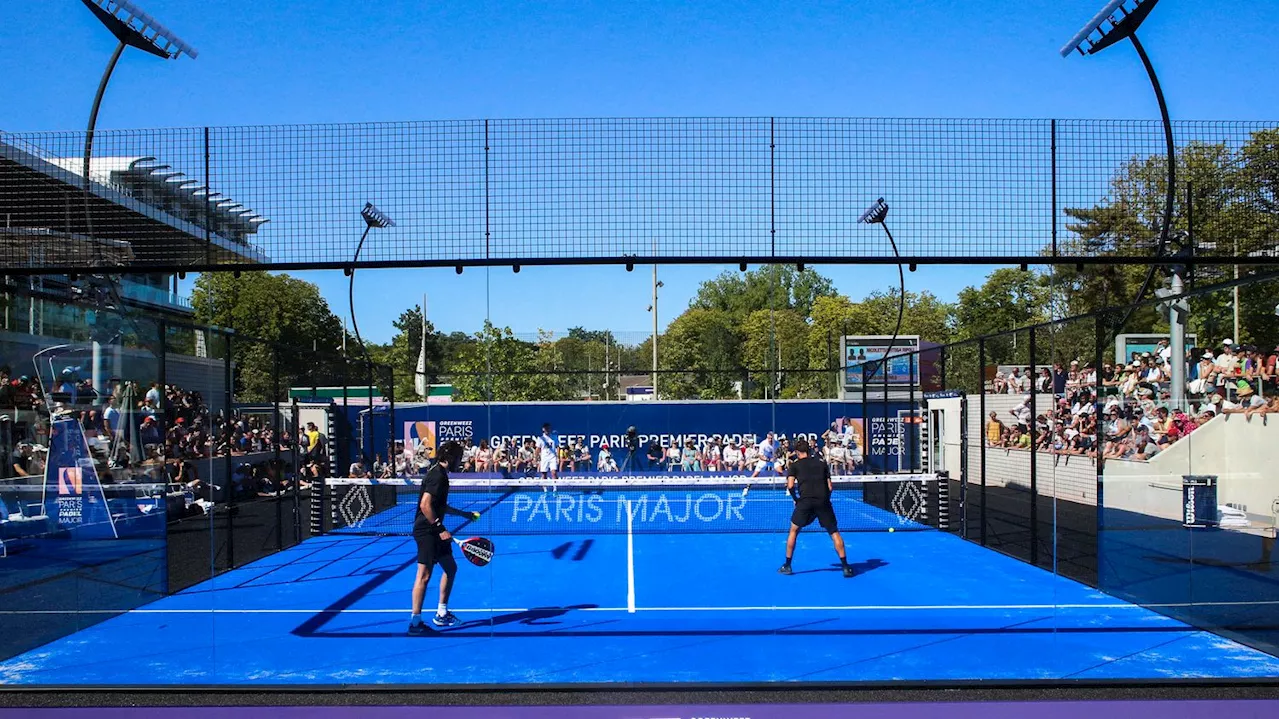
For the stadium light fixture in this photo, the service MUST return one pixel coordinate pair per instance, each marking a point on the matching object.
(373, 217)
(1119, 20)
(876, 215)
(132, 27)
(1115, 22)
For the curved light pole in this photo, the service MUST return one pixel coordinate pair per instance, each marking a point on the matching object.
(876, 215)
(133, 28)
(1119, 20)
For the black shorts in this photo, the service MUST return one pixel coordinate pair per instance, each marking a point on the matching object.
(433, 550)
(809, 509)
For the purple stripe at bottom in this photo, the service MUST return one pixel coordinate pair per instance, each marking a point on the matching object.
(1234, 709)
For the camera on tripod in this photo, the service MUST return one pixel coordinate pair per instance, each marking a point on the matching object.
(633, 439)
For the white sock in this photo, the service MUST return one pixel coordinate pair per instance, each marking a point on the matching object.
(442, 610)
(415, 618)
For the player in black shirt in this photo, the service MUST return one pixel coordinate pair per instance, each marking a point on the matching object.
(435, 543)
(809, 484)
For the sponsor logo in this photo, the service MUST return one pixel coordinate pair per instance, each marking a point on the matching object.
(642, 508)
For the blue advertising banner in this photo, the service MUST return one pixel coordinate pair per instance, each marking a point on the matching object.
(596, 424)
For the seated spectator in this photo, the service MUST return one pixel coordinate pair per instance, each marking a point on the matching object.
(673, 458)
(484, 457)
(732, 457)
(605, 462)
(712, 456)
(581, 458)
(654, 454)
(564, 456)
(689, 458)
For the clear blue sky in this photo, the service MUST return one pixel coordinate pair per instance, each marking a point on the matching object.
(285, 61)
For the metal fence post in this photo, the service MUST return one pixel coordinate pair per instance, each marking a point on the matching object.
(982, 440)
(1035, 489)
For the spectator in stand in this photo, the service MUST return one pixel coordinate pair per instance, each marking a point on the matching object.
(714, 456)
(1060, 377)
(468, 456)
(1247, 400)
(998, 385)
(689, 458)
(564, 456)
(673, 457)
(995, 430)
(750, 455)
(1044, 381)
(581, 458)
(526, 458)
(605, 463)
(654, 455)
(484, 457)
(732, 457)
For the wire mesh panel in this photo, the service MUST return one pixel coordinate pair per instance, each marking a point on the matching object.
(625, 190)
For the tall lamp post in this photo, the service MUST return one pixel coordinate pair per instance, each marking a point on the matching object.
(133, 28)
(1119, 20)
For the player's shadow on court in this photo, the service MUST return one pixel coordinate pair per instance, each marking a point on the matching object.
(535, 617)
(859, 568)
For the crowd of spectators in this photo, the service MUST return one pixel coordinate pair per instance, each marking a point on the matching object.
(147, 434)
(1125, 410)
(840, 446)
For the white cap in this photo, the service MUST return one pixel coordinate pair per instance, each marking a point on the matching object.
(1228, 341)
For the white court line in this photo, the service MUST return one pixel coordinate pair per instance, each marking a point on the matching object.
(631, 562)
(632, 610)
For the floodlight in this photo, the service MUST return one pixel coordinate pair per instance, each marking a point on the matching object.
(1119, 20)
(1115, 22)
(135, 28)
(876, 213)
(373, 217)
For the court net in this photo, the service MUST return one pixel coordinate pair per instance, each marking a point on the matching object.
(613, 504)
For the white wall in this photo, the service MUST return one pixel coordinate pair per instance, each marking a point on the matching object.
(1243, 454)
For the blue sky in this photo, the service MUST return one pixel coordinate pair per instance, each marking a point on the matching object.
(283, 61)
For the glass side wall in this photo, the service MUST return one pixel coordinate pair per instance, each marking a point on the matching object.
(1024, 503)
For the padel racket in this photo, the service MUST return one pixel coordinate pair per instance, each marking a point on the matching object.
(477, 550)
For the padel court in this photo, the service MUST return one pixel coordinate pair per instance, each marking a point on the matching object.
(616, 585)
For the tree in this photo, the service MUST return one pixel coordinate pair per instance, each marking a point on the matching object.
(705, 344)
(498, 367)
(278, 308)
(776, 341)
(923, 315)
(781, 287)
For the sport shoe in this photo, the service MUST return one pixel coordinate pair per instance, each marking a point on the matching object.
(848, 571)
(784, 569)
(417, 627)
(445, 620)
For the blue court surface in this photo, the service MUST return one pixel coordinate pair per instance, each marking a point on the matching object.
(639, 607)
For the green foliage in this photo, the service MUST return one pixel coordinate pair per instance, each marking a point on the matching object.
(278, 308)
(770, 287)
(706, 343)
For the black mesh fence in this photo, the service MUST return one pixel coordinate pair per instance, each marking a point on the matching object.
(723, 190)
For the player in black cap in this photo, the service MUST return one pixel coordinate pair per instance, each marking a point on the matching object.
(809, 484)
(435, 543)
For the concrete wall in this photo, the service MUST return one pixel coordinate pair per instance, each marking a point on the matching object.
(1072, 478)
(1243, 454)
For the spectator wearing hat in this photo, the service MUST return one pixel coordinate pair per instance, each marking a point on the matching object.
(1247, 400)
(605, 462)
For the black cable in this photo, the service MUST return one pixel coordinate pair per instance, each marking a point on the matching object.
(1171, 161)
